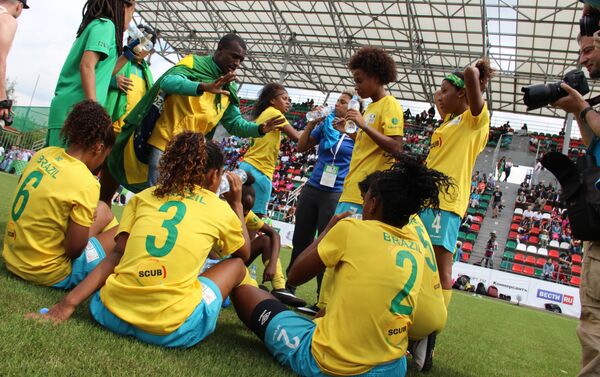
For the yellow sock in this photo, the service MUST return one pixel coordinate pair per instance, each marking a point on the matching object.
(248, 280)
(447, 296)
(278, 281)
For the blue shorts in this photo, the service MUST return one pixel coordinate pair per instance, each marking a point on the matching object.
(81, 267)
(442, 226)
(342, 207)
(200, 324)
(288, 338)
(262, 187)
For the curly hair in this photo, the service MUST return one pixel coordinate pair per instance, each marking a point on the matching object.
(267, 93)
(375, 62)
(187, 159)
(87, 125)
(486, 72)
(406, 188)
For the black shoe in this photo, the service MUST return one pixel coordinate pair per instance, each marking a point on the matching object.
(310, 310)
(263, 287)
(422, 352)
(288, 297)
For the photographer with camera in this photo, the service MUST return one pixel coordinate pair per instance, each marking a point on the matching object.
(588, 121)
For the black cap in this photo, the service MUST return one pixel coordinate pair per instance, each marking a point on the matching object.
(24, 2)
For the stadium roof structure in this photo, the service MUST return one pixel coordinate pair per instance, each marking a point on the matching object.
(307, 44)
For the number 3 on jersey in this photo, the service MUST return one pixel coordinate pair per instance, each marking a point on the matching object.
(22, 196)
(171, 226)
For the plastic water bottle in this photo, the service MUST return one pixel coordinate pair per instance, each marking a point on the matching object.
(350, 126)
(44, 310)
(318, 113)
(145, 44)
(224, 185)
(253, 271)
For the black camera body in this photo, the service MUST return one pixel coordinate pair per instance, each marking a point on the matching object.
(540, 95)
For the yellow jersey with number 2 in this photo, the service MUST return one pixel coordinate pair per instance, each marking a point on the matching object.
(377, 276)
(155, 286)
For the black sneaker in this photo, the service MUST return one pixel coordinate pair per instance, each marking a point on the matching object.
(288, 297)
(422, 352)
(310, 310)
(263, 287)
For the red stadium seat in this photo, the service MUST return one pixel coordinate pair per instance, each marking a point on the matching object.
(575, 280)
(530, 259)
(547, 208)
(534, 231)
(540, 262)
(576, 270)
(514, 226)
(576, 258)
(519, 258)
(475, 228)
(517, 219)
(477, 220)
(517, 268)
(533, 240)
(513, 235)
(553, 254)
(529, 271)
(468, 247)
(465, 257)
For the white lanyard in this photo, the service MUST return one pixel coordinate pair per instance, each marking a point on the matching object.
(337, 148)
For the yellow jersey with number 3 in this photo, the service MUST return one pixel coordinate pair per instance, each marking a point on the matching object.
(454, 148)
(387, 117)
(377, 276)
(54, 188)
(264, 151)
(155, 286)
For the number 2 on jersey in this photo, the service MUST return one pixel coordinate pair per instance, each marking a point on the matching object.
(171, 226)
(397, 306)
(23, 194)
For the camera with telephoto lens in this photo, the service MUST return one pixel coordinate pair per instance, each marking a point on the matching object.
(540, 95)
(590, 23)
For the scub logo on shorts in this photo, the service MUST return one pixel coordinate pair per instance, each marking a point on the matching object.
(10, 231)
(395, 332)
(151, 272)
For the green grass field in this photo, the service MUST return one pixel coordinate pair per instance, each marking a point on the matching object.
(483, 338)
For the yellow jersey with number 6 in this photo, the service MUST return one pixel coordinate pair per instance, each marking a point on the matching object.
(377, 276)
(54, 188)
(155, 286)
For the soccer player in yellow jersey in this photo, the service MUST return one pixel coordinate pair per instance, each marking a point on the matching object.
(149, 286)
(54, 233)
(378, 269)
(268, 245)
(455, 146)
(261, 158)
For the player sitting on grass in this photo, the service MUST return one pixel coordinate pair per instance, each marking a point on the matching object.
(54, 233)
(268, 245)
(149, 286)
(377, 266)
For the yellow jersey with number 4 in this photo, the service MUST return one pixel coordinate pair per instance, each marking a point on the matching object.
(455, 146)
(155, 286)
(54, 188)
(377, 276)
(387, 117)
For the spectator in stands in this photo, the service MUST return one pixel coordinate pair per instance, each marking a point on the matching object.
(475, 199)
(87, 72)
(500, 167)
(464, 133)
(10, 156)
(507, 167)
(491, 182)
(548, 270)
(459, 251)
(321, 193)
(535, 175)
(544, 238)
(521, 199)
(10, 10)
(564, 266)
(496, 201)
(528, 213)
(524, 130)
(490, 248)
(261, 158)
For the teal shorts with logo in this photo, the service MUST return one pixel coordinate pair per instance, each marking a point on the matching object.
(342, 207)
(442, 226)
(200, 324)
(81, 267)
(262, 188)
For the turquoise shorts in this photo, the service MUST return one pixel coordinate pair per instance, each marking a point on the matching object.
(81, 267)
(200, 324)
(262, 187)
(342, 207)
(288, 337)
(442, 226)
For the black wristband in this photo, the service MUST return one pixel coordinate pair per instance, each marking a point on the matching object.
(199, 90)
(259, 131)
(584, 112)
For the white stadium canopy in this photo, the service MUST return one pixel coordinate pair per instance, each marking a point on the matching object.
(307, 44)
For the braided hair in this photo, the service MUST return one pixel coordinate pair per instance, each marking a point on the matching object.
(113, 10)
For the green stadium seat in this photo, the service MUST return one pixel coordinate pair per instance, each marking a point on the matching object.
(471, 237)
(462, 236)
(505, 265)
(538, 272)
(508, 255)
(510, 245)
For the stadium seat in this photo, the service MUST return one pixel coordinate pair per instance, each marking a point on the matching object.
(564, 246)
(517, 268)
(522, 247)
(514, 226)
(508, 255)
(575, 281)
(517, 219)
(472, 211)
(513, 235)
(547, 208)
(546, 216)
(472, 237)
(505, 265)
(477, 220)
(534, 231)
(540, 262)
(510, 245)
(465, 257)
(576, 258)
(527, 270)
(533, 240)
(519, 258)
(553, 254)
(518, 211)
(576, 270)
(532, 249)
(475, 228)
(468, 247)
(542, 251)
(538, 272)
(530, 259)
(553, 244)
(486, 197)
(462, 236)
